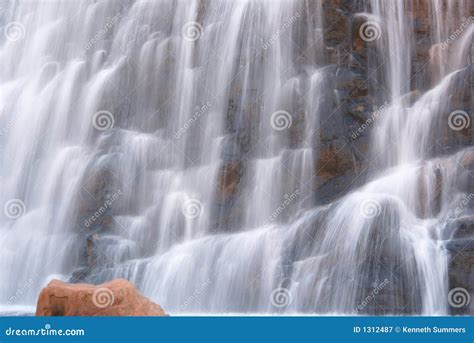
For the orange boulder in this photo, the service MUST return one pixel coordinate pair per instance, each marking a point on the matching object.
(115, 298)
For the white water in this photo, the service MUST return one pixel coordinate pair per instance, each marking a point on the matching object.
(183, 109)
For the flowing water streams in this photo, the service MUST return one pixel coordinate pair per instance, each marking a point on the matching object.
(135, 108)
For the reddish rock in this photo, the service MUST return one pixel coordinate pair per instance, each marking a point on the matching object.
(115, 298)
(429, 202)
(229, 179)
(467, 159)
(438, 61)
(336, 23)
(332, 163)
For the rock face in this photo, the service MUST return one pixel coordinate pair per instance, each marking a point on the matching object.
(461, 262)
(351, 104)
(115, 298)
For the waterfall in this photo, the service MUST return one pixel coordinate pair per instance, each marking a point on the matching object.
(183, 145)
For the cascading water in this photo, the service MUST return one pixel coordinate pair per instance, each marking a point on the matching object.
(177, 144)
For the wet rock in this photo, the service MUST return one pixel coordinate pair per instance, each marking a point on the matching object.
(79, 275)
(333, 161)
(336, 22)
(227, 209)
(467, 160)
(228, 180)
(461, 260)
(352, 90)
(357, 87)
(461, 271)
(410, 98)
(429, 200)
(465, 177)
(99, 192)
(420, 13)
(358, 44)
(462, 229)
(438, 60)
(387, 279)
(115, 298)
(344, 135)
(339, 169)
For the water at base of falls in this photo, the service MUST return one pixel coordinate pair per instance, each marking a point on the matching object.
(182, 145)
